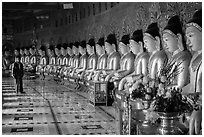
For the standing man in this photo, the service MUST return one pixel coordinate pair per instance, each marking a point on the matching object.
(17, 73)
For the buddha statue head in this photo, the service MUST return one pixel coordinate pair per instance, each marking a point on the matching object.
(51, 51)
(82, 47)
(22, 51)
(111, 43)
(136, 42)
(26, 51)
(90, 46)
(42, 51)
(6, 52)
(151, 38)
(58, 50)
(16, 52)
(69, 49)
(64, 49)
(75, 48)
(32, 50)
(194, 31)
(124, 44)
(100, 46)
(173, 35)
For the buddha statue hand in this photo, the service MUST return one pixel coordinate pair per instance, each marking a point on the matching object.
(129, 79)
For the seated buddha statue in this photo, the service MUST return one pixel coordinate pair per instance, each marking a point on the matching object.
(83, 60)
(7, 61)
(102, 60)
(75, 62)
(140, 62)
(92, 59)
(52, 59)
(126, 62)
(22, 55)
(174, 42)
(59, 58)
(43, 61)
(70, 59)
(33, 60)
(113, 61)
(27, 58)
(194, 41)
(65, 59)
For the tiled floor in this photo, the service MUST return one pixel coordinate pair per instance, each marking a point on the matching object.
(48, 108)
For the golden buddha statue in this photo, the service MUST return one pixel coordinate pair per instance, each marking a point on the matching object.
(174, 41)
(140, 62)
(22, 55)
(59, 58)
(75, 62)
(92, 59)
(83, 60)
(65, 59)
(70, 59)
(126, 62)
(194, 42)
(102, 60)
(52, 59)
(113, 61)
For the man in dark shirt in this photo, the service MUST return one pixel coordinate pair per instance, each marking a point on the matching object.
(18, 72)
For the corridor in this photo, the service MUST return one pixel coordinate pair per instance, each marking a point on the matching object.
(48, 108)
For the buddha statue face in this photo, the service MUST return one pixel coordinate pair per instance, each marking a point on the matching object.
(75, 50)
(108, 47)
(31, 51)
(63, 51)
(69, 51)
(194, 38)
(149, 43)
(49, 52)
(89, 49)
(123, 48)
(40, 52)
(99, 49)
(134, 47)
(16, 52)
(26, 51)
(81, 50)
(6, 53)
(170, 42)
(57, 52)
(21, 52)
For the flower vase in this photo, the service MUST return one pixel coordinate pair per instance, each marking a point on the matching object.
(146, 127)
(170, 124)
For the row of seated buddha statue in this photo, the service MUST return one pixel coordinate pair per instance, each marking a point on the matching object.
(29, 58)
(121, 64)
(139, 55)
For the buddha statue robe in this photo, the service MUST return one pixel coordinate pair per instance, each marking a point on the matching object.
(183, 58)
(113, 64)
(101, 65)
(141, 68)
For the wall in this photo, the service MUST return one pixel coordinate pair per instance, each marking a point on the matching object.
(121, 19)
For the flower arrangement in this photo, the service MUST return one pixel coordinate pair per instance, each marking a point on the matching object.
(169, 98)
(145, 89)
